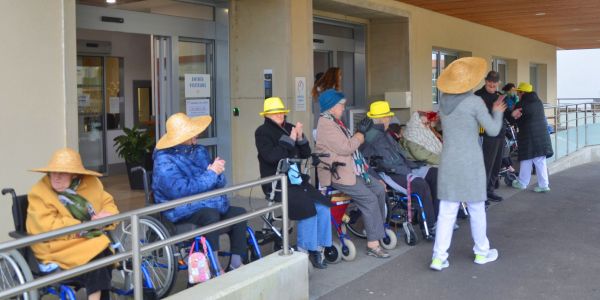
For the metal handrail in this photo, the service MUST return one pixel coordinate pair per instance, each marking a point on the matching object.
(136, 251)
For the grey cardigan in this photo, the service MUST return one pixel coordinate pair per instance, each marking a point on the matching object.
(461, 174)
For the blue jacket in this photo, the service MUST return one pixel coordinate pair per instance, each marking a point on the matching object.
(180, 171)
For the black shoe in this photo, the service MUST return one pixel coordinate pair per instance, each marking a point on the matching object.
(494, 197)
(316, 259)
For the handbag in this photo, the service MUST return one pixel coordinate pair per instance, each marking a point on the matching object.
(198, 267)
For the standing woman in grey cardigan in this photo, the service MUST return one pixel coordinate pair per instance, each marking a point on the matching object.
(461, 175)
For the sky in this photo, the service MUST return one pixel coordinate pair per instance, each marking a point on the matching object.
(578, 73)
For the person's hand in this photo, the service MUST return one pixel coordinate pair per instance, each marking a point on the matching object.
(218, 166)
(101, 215)
(499, 105)
(517, 113)
(364, 125)
(299, 128)
(360, 137)
(501, 98)
(294, 134)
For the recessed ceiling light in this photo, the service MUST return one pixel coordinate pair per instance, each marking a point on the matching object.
(576, 29)
(111, 1)
(540, 14)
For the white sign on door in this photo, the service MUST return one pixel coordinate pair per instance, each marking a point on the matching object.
(197, 85)
(197, 107)
(300, 91)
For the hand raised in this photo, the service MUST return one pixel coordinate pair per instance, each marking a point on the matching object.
(294, 133)
(299, 128)
(499, 105)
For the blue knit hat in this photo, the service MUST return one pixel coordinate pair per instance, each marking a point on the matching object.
(329, 99)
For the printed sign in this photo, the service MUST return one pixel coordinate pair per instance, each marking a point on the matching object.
(197, 107)
(197, 85)
(300, 92)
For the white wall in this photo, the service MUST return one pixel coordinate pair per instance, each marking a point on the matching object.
(34, 81)
(135, 51)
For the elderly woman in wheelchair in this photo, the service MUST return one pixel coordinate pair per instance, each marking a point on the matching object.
(68, 195)
(278, 140)
(184, 168)
(395, 168)
(334, 138)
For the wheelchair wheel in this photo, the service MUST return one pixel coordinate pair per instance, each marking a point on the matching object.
(508, 179)
(348, 250)
(160, 263)
(356, 223)
(14, 271)
(410, 237)
(390, 240)
(333, 254)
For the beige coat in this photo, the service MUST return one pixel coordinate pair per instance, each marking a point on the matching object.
(45, 213)
(331, 139)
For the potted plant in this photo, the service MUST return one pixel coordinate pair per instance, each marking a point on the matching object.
(135, 146)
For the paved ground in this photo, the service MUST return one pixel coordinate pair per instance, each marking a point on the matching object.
(549, 246)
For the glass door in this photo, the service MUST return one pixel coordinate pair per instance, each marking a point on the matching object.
(196, 86)
(91, 112)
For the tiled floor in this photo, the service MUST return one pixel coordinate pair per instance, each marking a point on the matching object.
(125, 198)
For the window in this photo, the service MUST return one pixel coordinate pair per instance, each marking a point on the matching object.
(500, 66)
(439, 60)
(533, 76)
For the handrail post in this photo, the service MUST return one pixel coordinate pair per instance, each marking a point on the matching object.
(585, 124)
(284, 212)
(556, 121)
(567, 128)
(576, 127)
(137, 263)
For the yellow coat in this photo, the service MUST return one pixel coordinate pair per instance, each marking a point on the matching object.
(46, 213)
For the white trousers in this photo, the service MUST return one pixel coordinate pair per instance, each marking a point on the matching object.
(540, 170)
(445, 228)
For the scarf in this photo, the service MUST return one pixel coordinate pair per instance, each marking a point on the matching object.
(360, 165)
(418, 133)
(79, 207)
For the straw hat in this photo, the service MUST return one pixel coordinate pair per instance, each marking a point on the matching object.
(525, 87)
(273, 105)
(66, 160)
(462, 75)
(379, 109)
(181, 128)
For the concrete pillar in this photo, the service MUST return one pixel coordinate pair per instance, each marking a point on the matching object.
(38, 110)
(266, 34)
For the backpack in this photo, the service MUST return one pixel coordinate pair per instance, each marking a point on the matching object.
(198, 267)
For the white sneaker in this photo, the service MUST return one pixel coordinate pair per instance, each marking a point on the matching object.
(491, 256)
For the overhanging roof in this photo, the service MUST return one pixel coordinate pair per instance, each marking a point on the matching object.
(567, 24)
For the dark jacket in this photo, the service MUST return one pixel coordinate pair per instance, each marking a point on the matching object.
(379, 143)
(489, 100)
(533, 137)
(181, 171)
(273, 144)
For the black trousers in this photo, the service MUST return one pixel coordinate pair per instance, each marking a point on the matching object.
(427, 190)
(237, 232)
(492, 158)
(98, 279)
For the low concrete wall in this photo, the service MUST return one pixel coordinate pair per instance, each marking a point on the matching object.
(582, 156)
(272, 277)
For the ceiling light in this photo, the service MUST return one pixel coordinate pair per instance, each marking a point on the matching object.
(111, 1)
(576, 29)
(540, 14)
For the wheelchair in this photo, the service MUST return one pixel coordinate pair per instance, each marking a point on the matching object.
(181, 250)
(20, 266)
(346, 215)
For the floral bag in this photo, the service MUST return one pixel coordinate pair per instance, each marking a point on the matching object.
(198, 267)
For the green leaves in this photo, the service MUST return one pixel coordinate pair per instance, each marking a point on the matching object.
(134, 144)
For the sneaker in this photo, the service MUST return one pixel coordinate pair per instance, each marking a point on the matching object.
(518, 185)
(491, 256)
(494, 197)
(538, 189)
(377, 252)
(438, 265)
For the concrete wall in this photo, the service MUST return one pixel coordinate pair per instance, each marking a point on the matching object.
(266, 34)
(135, 51)
(273, 277)
(37, 84)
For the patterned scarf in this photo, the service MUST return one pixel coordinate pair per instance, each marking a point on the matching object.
(79, 207)
(360, 164)
(417, 133)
